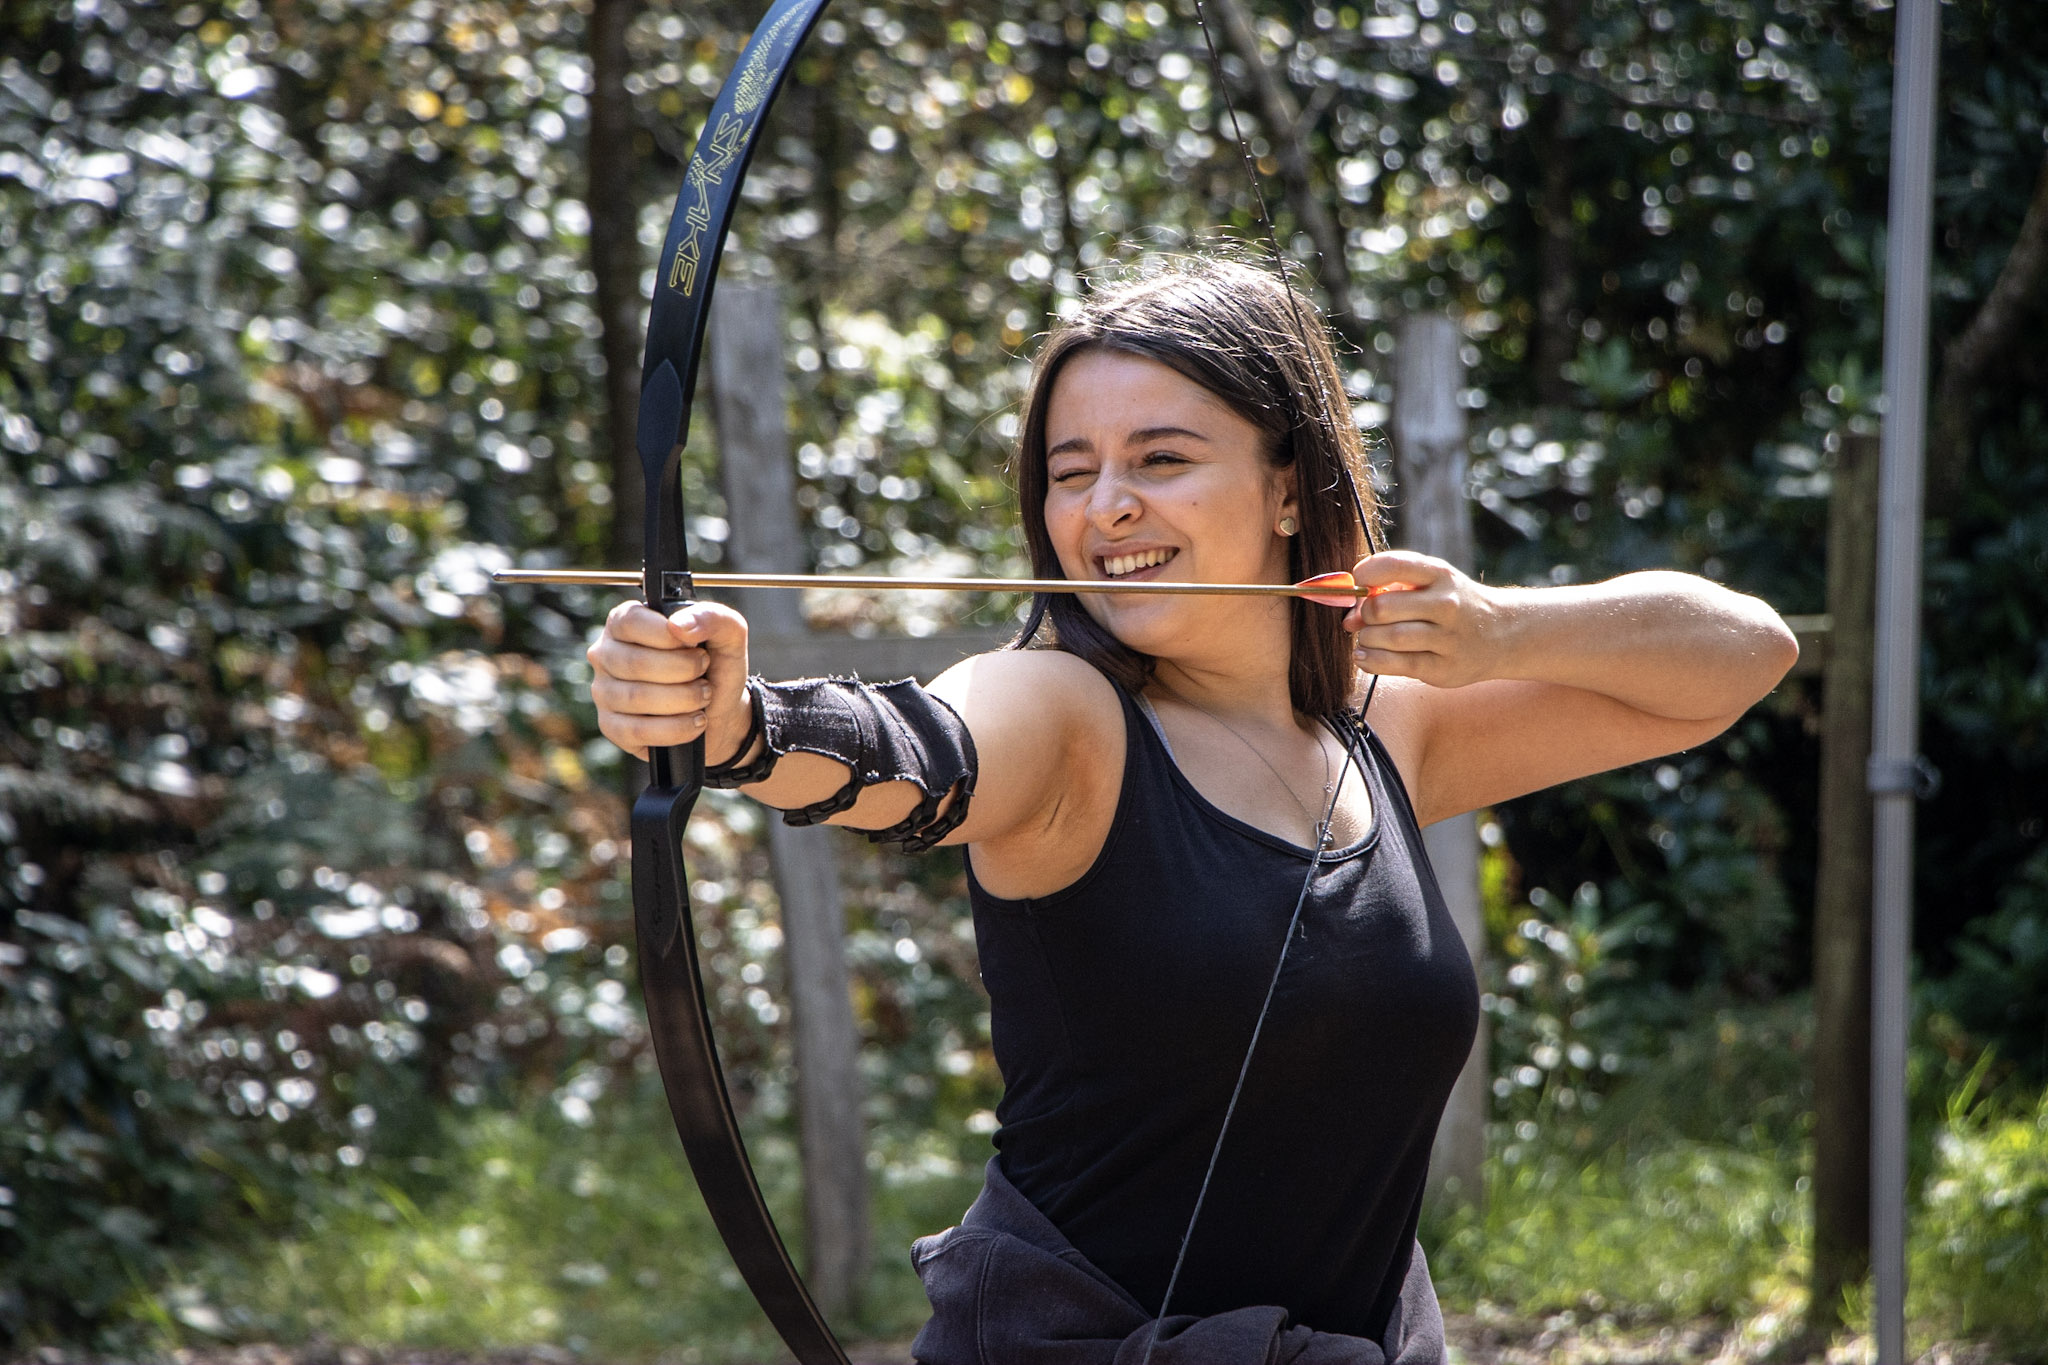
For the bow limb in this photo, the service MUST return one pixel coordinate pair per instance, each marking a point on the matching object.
(671, 977)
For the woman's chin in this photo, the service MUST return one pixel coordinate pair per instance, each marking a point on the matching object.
(1134, 621)
(1161, 627)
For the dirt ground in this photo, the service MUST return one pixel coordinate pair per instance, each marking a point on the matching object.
(1586, 1339)
(1475, 1339)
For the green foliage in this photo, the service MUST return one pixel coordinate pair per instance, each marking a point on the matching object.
(1684, 1195)
(1683, 1231)
(1999, 988)
(1556, 1040)
(1983, 904)
(1981, 1240)
(303, 836)
(1591, 1049)
(524, 1230)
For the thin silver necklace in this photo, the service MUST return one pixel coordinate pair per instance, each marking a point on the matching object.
(1321, 829)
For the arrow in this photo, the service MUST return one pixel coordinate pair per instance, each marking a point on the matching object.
(1331, 589)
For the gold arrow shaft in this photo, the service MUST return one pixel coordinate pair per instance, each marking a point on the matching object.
(620, 578)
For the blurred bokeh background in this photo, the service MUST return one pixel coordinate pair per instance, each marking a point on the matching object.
(317, 1023)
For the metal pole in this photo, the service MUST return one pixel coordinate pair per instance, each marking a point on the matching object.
(1894, 763)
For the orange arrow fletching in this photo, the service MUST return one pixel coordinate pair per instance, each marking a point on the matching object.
(1344, 589)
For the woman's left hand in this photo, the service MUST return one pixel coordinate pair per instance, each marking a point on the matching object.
(1432, 623)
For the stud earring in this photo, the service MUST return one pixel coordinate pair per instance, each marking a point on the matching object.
(1288, 526)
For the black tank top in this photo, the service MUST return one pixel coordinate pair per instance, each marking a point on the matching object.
(1121, 1008)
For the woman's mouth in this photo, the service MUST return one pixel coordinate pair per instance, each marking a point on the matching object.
(1123, 566)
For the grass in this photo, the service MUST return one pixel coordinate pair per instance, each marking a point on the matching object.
(530, 1231)
(1980, 1246)
(1687, 1232)
(1686, 1199)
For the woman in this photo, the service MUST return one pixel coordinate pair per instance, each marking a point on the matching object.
(1194, 820)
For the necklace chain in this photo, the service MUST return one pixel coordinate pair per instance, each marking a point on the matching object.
(1321, 828)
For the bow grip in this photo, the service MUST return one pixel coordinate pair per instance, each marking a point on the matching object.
(659, 815)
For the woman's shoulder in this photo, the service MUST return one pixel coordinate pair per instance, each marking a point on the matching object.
(1048, 731)
(1037, 687)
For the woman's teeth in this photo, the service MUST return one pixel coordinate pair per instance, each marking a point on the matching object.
(1116, 566)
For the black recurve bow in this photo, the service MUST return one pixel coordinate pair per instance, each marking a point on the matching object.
(671, 978)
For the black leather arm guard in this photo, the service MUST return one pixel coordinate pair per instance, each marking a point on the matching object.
(897, 732)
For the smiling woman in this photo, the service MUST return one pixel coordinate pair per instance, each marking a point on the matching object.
(1228, 1002)
(1250, 374)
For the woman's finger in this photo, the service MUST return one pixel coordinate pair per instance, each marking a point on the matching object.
(1434, 603)
(675, 679)
(1397, 663)
(709, 624)
(648, 699)
(637, 663)
(636, 734)
(1406, 568)
(1408, 637)
(1430, 604)
(636, 623)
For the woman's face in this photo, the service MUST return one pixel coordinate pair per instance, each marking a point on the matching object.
(1150, 476)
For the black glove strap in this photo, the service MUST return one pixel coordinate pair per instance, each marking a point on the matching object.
(736, 774)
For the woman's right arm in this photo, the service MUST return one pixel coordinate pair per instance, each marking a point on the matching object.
(661, 681)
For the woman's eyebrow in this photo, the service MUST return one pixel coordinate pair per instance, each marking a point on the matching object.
(1137, 438)
(1083, 445)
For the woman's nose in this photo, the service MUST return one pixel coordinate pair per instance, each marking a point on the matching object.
(1112, 501)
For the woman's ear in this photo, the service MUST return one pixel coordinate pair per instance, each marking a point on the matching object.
(1287, 516)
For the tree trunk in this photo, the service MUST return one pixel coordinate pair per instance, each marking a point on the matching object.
(1964, 361)
(615, 260)
(1435, 517)
(1841, 919)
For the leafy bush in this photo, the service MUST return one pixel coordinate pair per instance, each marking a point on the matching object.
(1999, 986)
(1557, 1042)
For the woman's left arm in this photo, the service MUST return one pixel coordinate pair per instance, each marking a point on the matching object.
(1513, 689)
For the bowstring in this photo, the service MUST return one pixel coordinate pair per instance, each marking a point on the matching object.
(1271, 234)
(1315, 864)
(1350, 485)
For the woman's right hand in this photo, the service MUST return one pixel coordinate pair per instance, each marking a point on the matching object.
(660, 681)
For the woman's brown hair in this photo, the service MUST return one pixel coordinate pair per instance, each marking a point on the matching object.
(1260, 348)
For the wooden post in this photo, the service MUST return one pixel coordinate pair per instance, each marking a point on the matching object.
(615, 257)
(1841, 913)
(750, 406)
(1435, 518)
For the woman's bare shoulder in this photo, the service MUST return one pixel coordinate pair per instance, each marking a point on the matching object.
(1041, 719)
(1033, 687)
